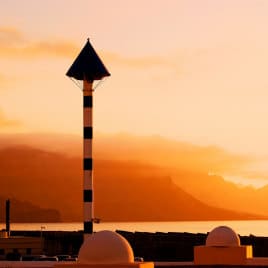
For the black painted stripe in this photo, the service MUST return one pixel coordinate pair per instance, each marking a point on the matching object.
(88, 163)
(88, 196)
(88, 227)
(88, 133)
(88, 101)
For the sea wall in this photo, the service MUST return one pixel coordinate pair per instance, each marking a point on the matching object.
(56, 242)
(150, 246)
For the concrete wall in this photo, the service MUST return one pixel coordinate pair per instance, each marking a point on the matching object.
(151, 246)
(13, 247)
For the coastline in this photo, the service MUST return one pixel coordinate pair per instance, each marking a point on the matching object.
(244, 228)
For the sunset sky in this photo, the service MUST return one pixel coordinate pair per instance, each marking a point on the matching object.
(188, 70)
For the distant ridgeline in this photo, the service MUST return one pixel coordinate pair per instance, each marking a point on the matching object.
(27, 212)
(51, 183)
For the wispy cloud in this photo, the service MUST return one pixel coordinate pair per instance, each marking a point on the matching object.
(6, 122)
(251, 172)
(7, 80)
(3, 79)
(10, 36)
(14, 44)
(140, 62)
(180, 157)
(175, 154)
(38, 49)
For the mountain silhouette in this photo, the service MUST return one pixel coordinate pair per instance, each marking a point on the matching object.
(23, 211)
(125, 190)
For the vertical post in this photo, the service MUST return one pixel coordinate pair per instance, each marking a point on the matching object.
(41, 239)
(88, 67)
(8, 217)
(88, 161)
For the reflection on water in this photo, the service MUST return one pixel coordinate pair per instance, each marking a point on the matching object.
(258, 228)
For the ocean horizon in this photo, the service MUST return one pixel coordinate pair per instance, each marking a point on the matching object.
(243, 228)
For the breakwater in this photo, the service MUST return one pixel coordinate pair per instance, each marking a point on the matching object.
(151, 246)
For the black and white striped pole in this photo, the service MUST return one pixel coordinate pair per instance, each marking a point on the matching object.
(88, 68)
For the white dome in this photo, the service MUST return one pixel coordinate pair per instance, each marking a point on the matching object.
(105, 247)
(222, 236)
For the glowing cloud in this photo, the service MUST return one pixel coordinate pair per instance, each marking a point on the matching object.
(14, 44)
(139, 62)
(2, 79)
(10, 35)
(172, 154)
(6, 123)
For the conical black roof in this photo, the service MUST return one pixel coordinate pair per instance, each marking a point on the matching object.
(88, 65)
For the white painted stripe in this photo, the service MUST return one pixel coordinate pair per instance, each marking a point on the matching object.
(87, 235)
(88, 211)
(88, 117)
(87, 148)
(88, 179)
(87, 87)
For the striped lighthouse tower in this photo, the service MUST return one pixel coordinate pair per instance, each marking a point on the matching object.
(88, 67)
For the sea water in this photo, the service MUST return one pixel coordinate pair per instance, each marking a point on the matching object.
(257, 228)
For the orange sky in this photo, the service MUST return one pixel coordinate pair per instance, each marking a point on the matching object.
(188, 70)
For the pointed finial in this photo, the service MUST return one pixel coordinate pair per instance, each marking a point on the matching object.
(88, 65)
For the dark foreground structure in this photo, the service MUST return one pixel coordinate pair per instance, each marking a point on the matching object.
(162, 247)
